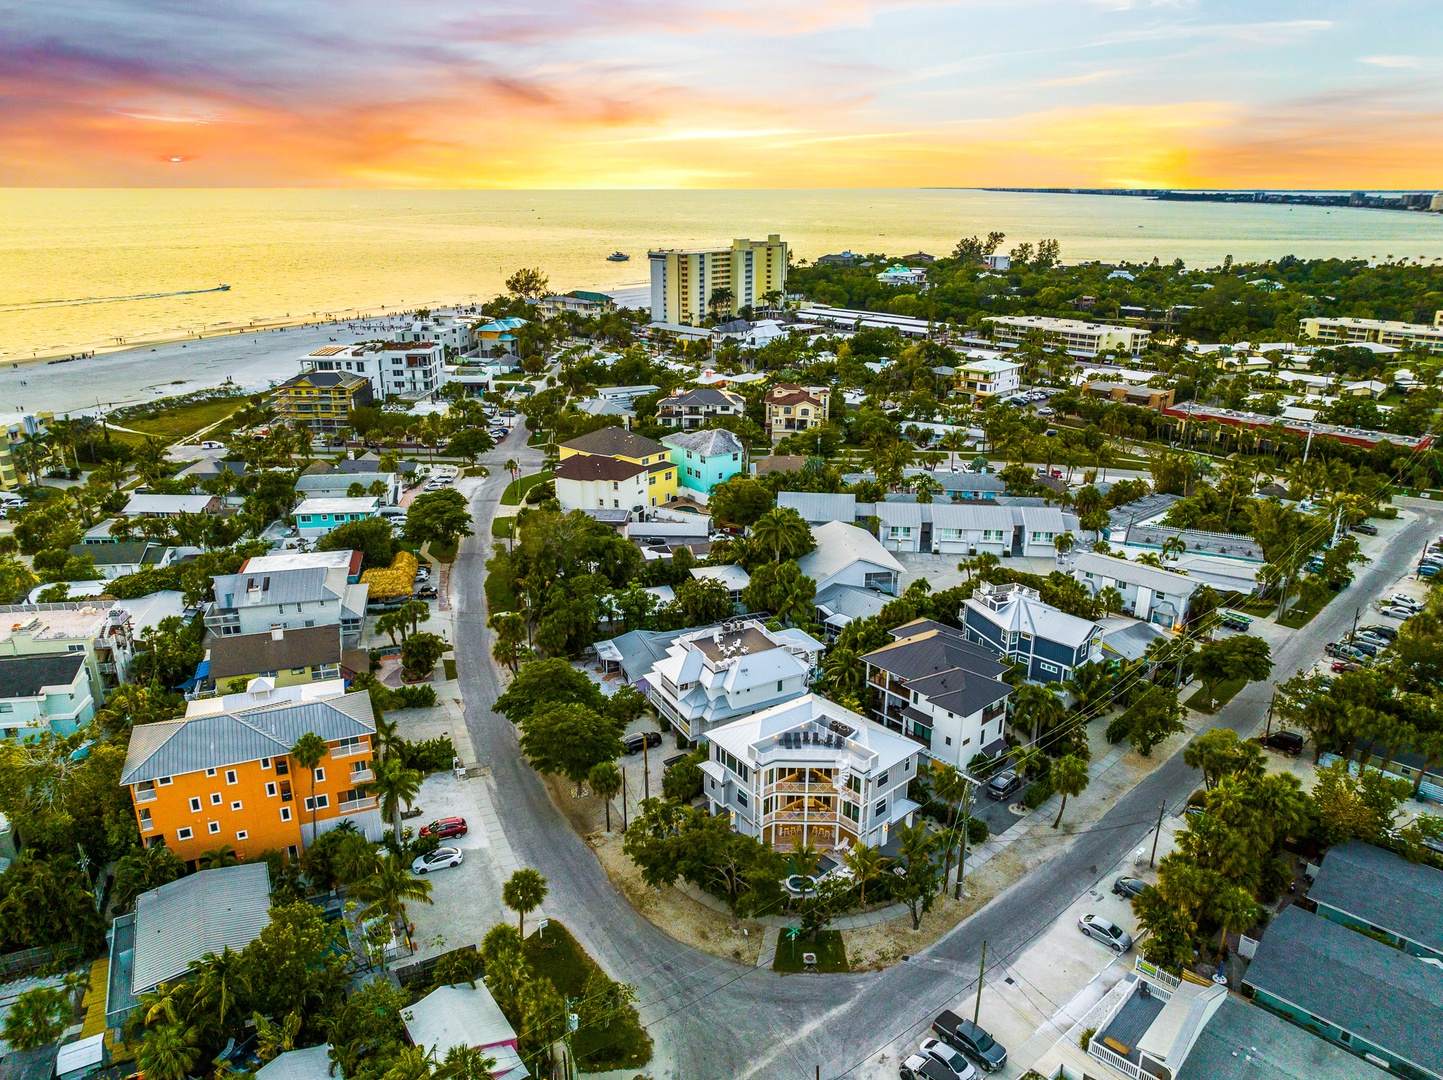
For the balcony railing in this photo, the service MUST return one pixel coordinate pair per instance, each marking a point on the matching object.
(355, 806)
(362, 776)
(821, 817)
(350, 751)
(143, 795)
(790, 787)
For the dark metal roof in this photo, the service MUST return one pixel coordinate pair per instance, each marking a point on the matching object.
(247, 654)
(960, 691)
(1384, 889)
(1373, 991)
(592, 467)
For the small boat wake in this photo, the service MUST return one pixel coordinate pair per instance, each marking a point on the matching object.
(79, 301)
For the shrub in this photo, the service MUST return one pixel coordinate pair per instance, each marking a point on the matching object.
(431, 755)
(1118, 728)
(977, 831)
(1037, 793)
(396, 580)
(1085, 1040)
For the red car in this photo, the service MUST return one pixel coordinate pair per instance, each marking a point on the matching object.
(1347, 665)
(446, 828)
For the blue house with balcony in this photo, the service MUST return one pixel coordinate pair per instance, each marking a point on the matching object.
(1013, 622)
(705, 458)
(316, 517)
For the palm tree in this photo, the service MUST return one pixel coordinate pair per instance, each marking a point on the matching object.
(805, 859)
(524, 891)
(386, 737)
(866, 863)
(37, 1017)
(780, 531)
(1069, 777)
(412, 1063)
(951, 786)
(276, 1037)
(1109, 599)
(386, 892)
(219, 978)
(1063, 542)
(465, 1063)
(605, 781)
(167, 1052)
(395, 784)
(217, 857)
(1234, 909)
(1173, 547)
(1027, 760)
(512, 468)
(310, 748)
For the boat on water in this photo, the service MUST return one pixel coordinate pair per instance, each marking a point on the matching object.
(222, 288)
(618, 256)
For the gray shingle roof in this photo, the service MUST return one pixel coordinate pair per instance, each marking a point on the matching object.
(192, 916)
(960, 691)
(26, 676)
(245, 654)
(609, 441)
(1245, 1042)
(190, 744)
(1378, 993)
(1384, 889)
(932, 650)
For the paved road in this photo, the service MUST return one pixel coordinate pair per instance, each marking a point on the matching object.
(712, 1019)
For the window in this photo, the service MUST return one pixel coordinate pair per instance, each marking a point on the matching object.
(293, 851)
(230, 777)
(214, 828)
(145, 818)
(241, 834)
(779, 686)
(285, 813)
(215, 799)
(236, 805)
(741, 798)
(321, 802)
(880, 809)
(283, 766)
(210, 772)
(854, 782)
(320, 776)
(194, 804)
(6, 707)
(265, 763)
(271, 791)
(948, 740)
(184, 834)
(882, 780)
(163, 781)
(1047, 667)
(852, 810)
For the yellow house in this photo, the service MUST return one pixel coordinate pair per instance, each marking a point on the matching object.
(619, 445)
(286, 657)
(17, 426)
(322, 400)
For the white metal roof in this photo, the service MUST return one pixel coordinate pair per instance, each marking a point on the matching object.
(839, 545)
(457, 1016)
(1163, 581)
(192, 916)
(740, 737)
(81, 1054)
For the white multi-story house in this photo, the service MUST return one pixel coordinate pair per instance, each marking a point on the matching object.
(449, 331)
(410, 369)
(811, 772)
(988, 378)
(256, 602)
(719, 674)
(848, 555)
(936, 687)
(1153, 595)
(101, 630)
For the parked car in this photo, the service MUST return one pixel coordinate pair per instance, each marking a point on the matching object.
(922, 1067)
(211, 444)
(1128, 887)
(1404, 600)
(445, 828)
(1367, 648)
(1346, 665)
(426, 592)
(673, 761)
(1428, 571)
(972, 1040)
(507, 413)
(1231, 622)
(634, 744)
(439, 859)
(958, 1067)
(1389, 632)
(1396, 612)
(1109, 933)
(1004, 784)
(1366, 529)
(1289, 742)
(1372, 638)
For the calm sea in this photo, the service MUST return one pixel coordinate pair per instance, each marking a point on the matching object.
(65, 255)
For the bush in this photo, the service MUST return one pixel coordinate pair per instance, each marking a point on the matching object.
(432, 755)
(133, 586)
(1118, 728)
(1037, 793)
(396, 580)
(977, 831)
(1085, 1040)
(683, 781)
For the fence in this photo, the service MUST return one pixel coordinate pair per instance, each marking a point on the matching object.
(27, 960)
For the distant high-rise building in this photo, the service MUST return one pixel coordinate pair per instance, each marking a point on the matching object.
(684, 281)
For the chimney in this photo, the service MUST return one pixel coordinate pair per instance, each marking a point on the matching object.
(278, 633)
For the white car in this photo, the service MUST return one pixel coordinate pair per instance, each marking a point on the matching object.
(211, 444)
(1403, 613)
(439, 859)
(1404, 600)
(956, 1064)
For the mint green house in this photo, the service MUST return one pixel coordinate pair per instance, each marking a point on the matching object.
(705, 458)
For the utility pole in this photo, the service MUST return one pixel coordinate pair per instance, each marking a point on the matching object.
(623, 799)
(645, 769)
(966, 821)
(981, 971)
(1268, 730)
(1356, 612)
(1307, 446)
(1152, 859)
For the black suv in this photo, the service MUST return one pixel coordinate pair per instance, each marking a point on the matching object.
(1004, 784)
(971, 1040)
(1289, 742)
(635, 744)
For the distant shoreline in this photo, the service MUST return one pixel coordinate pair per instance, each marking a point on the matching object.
(1405, 201)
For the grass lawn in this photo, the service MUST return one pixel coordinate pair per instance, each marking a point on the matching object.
(1302, 614)
(185, 420)
(1222, 694)
(623, 1043)
(450, 668)
(501, 527)
(442, 552)
(515, 491)
(476, 470)
(831, 953)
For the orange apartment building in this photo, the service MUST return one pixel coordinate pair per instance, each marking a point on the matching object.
(228, 778)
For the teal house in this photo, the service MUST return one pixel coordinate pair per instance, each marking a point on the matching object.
(705, 458)
(1371, 889)
(1344, 986)
(317, 517)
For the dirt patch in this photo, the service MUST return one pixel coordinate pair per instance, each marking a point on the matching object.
(875, 947)
(585, 811)
(675, 913)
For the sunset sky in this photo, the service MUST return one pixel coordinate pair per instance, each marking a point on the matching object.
(721, 93)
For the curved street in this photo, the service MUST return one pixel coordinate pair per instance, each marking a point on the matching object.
(711, 1018)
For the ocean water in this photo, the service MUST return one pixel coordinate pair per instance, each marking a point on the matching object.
(68, 257)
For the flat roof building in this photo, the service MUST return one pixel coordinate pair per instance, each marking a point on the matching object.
(1402, 335)
(685, 280)
(1072, 335)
